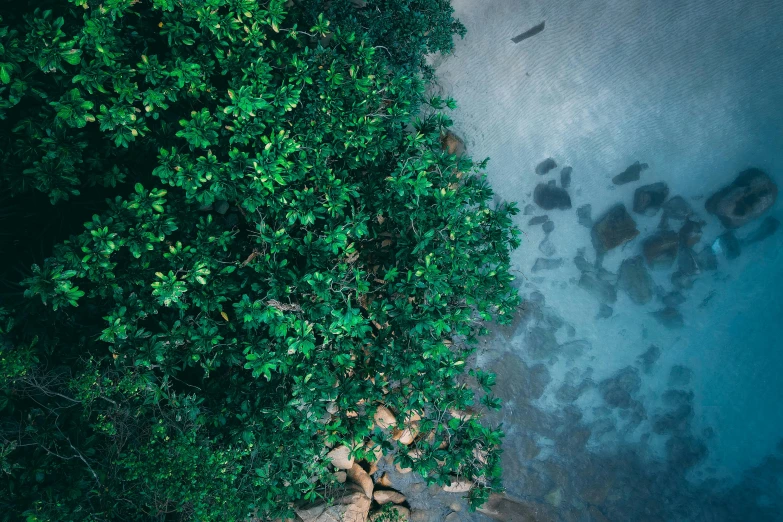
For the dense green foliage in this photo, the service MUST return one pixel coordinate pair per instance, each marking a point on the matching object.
(315, 254)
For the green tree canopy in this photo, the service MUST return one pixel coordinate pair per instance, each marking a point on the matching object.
(296, 251)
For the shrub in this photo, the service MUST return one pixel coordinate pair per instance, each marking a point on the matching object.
(315, 254)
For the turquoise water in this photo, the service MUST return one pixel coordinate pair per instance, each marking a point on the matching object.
(695, 90)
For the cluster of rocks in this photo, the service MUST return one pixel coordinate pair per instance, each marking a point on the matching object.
(672, 246)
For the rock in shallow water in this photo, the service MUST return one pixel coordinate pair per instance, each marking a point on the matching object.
(618, 390)
(660, 249)
(545, 166)
(538, 220)
(565, 177)
(604, 312)
(547, 248)
(669, 317)
(601, 290)
(729, 245)
(613, 229)
(546, 264)
(584, 215)
(632, 173)
(550, 197)
(548, 227)
(677, 208)
(767, 228)
(648, 199)
(635, 280)
(649, 357)
(744, 200)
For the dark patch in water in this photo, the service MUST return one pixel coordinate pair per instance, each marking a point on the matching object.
(530, 32)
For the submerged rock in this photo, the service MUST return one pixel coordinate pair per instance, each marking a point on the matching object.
(541, 343)
(570, 392)
(707, 259)
(548, 227)
(565, 177)
(768, 227)
(546, 264)
(648, 199)
(547, 248)
(550, 197)
(529, 209)
(581, 262)
(545, 166)
(613, 229)
(680, 376)
(690, 233)
(538, 220)
(677, 208)
(685, 451)
(632, 173)
(673, 299)
(618, 390)
(584, 215)
(660, 249)
(649, 357)
(635, 280)
(729, 245)
(669, 317)
(604, 311)
(601, 290)
(744, 200)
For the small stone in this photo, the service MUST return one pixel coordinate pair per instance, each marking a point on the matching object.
(538, 220)
(341, 476)
(384, 496)
(545, 166)
(529, 209)
(452, 517)
(565, 177)
(632, 173)
(613, 229)
(730, 245)
(635, 280)
(648, 199)
(584, 215)
(546, 264)
(550, 197)
(690, 233)
(340, 458)
(548, 227)
(751, 194)
(455, 506)
(402, 470)
(554, 497)
(707, 259)
(649, 357)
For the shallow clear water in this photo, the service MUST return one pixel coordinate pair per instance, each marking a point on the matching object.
(695, 90)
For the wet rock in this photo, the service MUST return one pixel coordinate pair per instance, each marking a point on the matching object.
(601, 290)
(677, 208)
(660, 249)
(707, 259)
(538, 220)
(649, 358)
(729, 245)
(618, 391)
(632, 173)
(648, 199)
(505, 509)
(546, 264)
(548, 227)
(551, 197)
(565, 177)
(767, 228)
(547, 248)
(669, 317)
(517, 381)
(545, 166)
(606, 276)
(529, 209)
(635, 280)
(673, 299)
(541, 343)
(604, 312)
(745, 199)
(584, 215)
(690, 233)
(452, 143)
(613, 229)
(680, 376)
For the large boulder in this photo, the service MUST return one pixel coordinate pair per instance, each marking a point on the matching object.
(632, 173)
(613, 229)
(452, 143)
(744, 200)
(660, 249)
(648, 199)
(635, 280)
(545, 166)
(550, 197)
